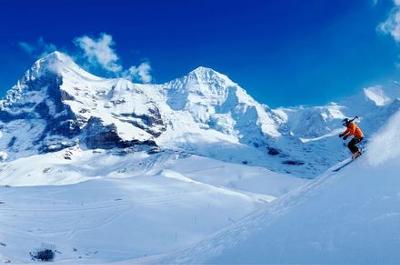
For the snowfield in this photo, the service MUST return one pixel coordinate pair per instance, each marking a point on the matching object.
(349, 217)
(102, 206)
(192, 171)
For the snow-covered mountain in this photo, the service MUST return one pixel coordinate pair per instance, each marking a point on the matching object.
(57, 104)
(104, 170)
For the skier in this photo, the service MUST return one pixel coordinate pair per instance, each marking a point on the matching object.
(355, 131)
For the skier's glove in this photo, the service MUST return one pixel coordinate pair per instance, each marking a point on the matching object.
(340, 135)
(345, 137)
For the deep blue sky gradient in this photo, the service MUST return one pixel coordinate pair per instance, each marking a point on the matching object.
(282, 52)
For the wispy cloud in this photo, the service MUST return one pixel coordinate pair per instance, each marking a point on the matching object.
(26, 47)
(139, 73)
(38, 48)
(391, 25)
(100, 51)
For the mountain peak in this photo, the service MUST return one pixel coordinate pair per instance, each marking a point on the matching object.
(203, 69)
(59, 56)
(55, 61)
(58, 63)
(206, 73)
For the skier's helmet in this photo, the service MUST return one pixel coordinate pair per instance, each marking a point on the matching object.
(345, 121)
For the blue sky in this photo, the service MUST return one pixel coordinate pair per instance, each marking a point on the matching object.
(282, 52)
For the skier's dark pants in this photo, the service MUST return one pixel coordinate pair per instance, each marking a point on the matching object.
(352, 145)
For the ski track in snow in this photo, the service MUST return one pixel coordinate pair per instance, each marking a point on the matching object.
(228, 237)
(348, 217)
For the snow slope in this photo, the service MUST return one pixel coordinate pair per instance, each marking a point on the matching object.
(352, 217)
(100, 206)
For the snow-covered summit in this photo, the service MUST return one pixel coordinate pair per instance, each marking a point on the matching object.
(206, 74)
(57, 63)
(219, 103)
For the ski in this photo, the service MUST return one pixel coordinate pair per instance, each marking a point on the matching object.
(344, 165)
(348, 162)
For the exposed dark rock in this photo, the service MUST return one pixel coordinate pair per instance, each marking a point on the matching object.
(83, 110)
(154, 150)
(43, 255)
(293, 162)
(273, 151)
(152, 124)
(11, 142)
(66, 96)
(118, 101)
(97, 135)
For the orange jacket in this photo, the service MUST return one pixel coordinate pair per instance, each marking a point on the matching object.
(353, 129)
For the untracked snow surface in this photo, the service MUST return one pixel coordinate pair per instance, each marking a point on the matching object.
(102, 206)
(351, 217)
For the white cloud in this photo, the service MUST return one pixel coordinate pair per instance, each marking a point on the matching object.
(100, 51)
(392, 24)
(139, 73)
(37, 49)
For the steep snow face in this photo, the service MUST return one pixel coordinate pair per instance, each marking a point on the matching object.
(33, 115)
(384, 146)
(218, 103)
(312, 122)
(349, 217)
